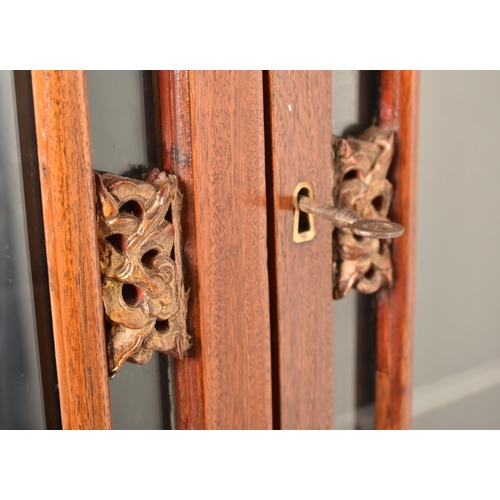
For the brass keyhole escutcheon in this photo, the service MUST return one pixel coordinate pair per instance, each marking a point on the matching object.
(303, 222)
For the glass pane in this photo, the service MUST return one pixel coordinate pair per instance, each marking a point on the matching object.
(354, 96)
(21, 401)
(121, 139)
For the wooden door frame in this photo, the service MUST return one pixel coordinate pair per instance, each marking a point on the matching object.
(399, 111)
(68, 204)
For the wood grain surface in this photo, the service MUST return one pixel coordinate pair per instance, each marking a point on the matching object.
(177, 157)
(213, 138)
(399, 101)
(298, 117)
(65, 160)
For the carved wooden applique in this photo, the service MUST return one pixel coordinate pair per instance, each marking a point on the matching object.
(360, 184)
(141, 268)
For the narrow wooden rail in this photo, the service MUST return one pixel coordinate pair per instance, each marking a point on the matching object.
(399, 107)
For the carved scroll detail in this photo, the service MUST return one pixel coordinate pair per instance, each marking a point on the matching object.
(360, 170)
(140, 257)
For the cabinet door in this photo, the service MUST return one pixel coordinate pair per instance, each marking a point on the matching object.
(212, 132)
(299, 110)
(260, 305)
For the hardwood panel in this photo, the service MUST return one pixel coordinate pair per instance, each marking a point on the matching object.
(65, 160)
(213, 138)
(298, 118)
(399, 101)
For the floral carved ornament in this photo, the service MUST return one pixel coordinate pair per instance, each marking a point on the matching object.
(141, 267)
(361, 185)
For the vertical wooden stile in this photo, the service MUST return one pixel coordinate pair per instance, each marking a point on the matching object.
(66, 177)
(399, 101)
(213, 140)
(298, 148)
(177, 157)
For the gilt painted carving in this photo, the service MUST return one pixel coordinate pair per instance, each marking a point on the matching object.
(360, 184)
(141, 267)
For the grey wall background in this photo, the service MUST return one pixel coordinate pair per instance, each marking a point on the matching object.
(353, 99)
(457, 327)
(345, 112)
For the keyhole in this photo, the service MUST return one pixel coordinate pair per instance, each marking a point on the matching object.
(303, 223)
(304, 217)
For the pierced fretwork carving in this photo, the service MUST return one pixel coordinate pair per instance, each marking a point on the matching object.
(360, 184)
(141, 267)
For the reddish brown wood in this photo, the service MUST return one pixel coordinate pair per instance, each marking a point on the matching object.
(399, 100)
(178, 158)
(213, 138)
(299, 149)
(65, 159)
